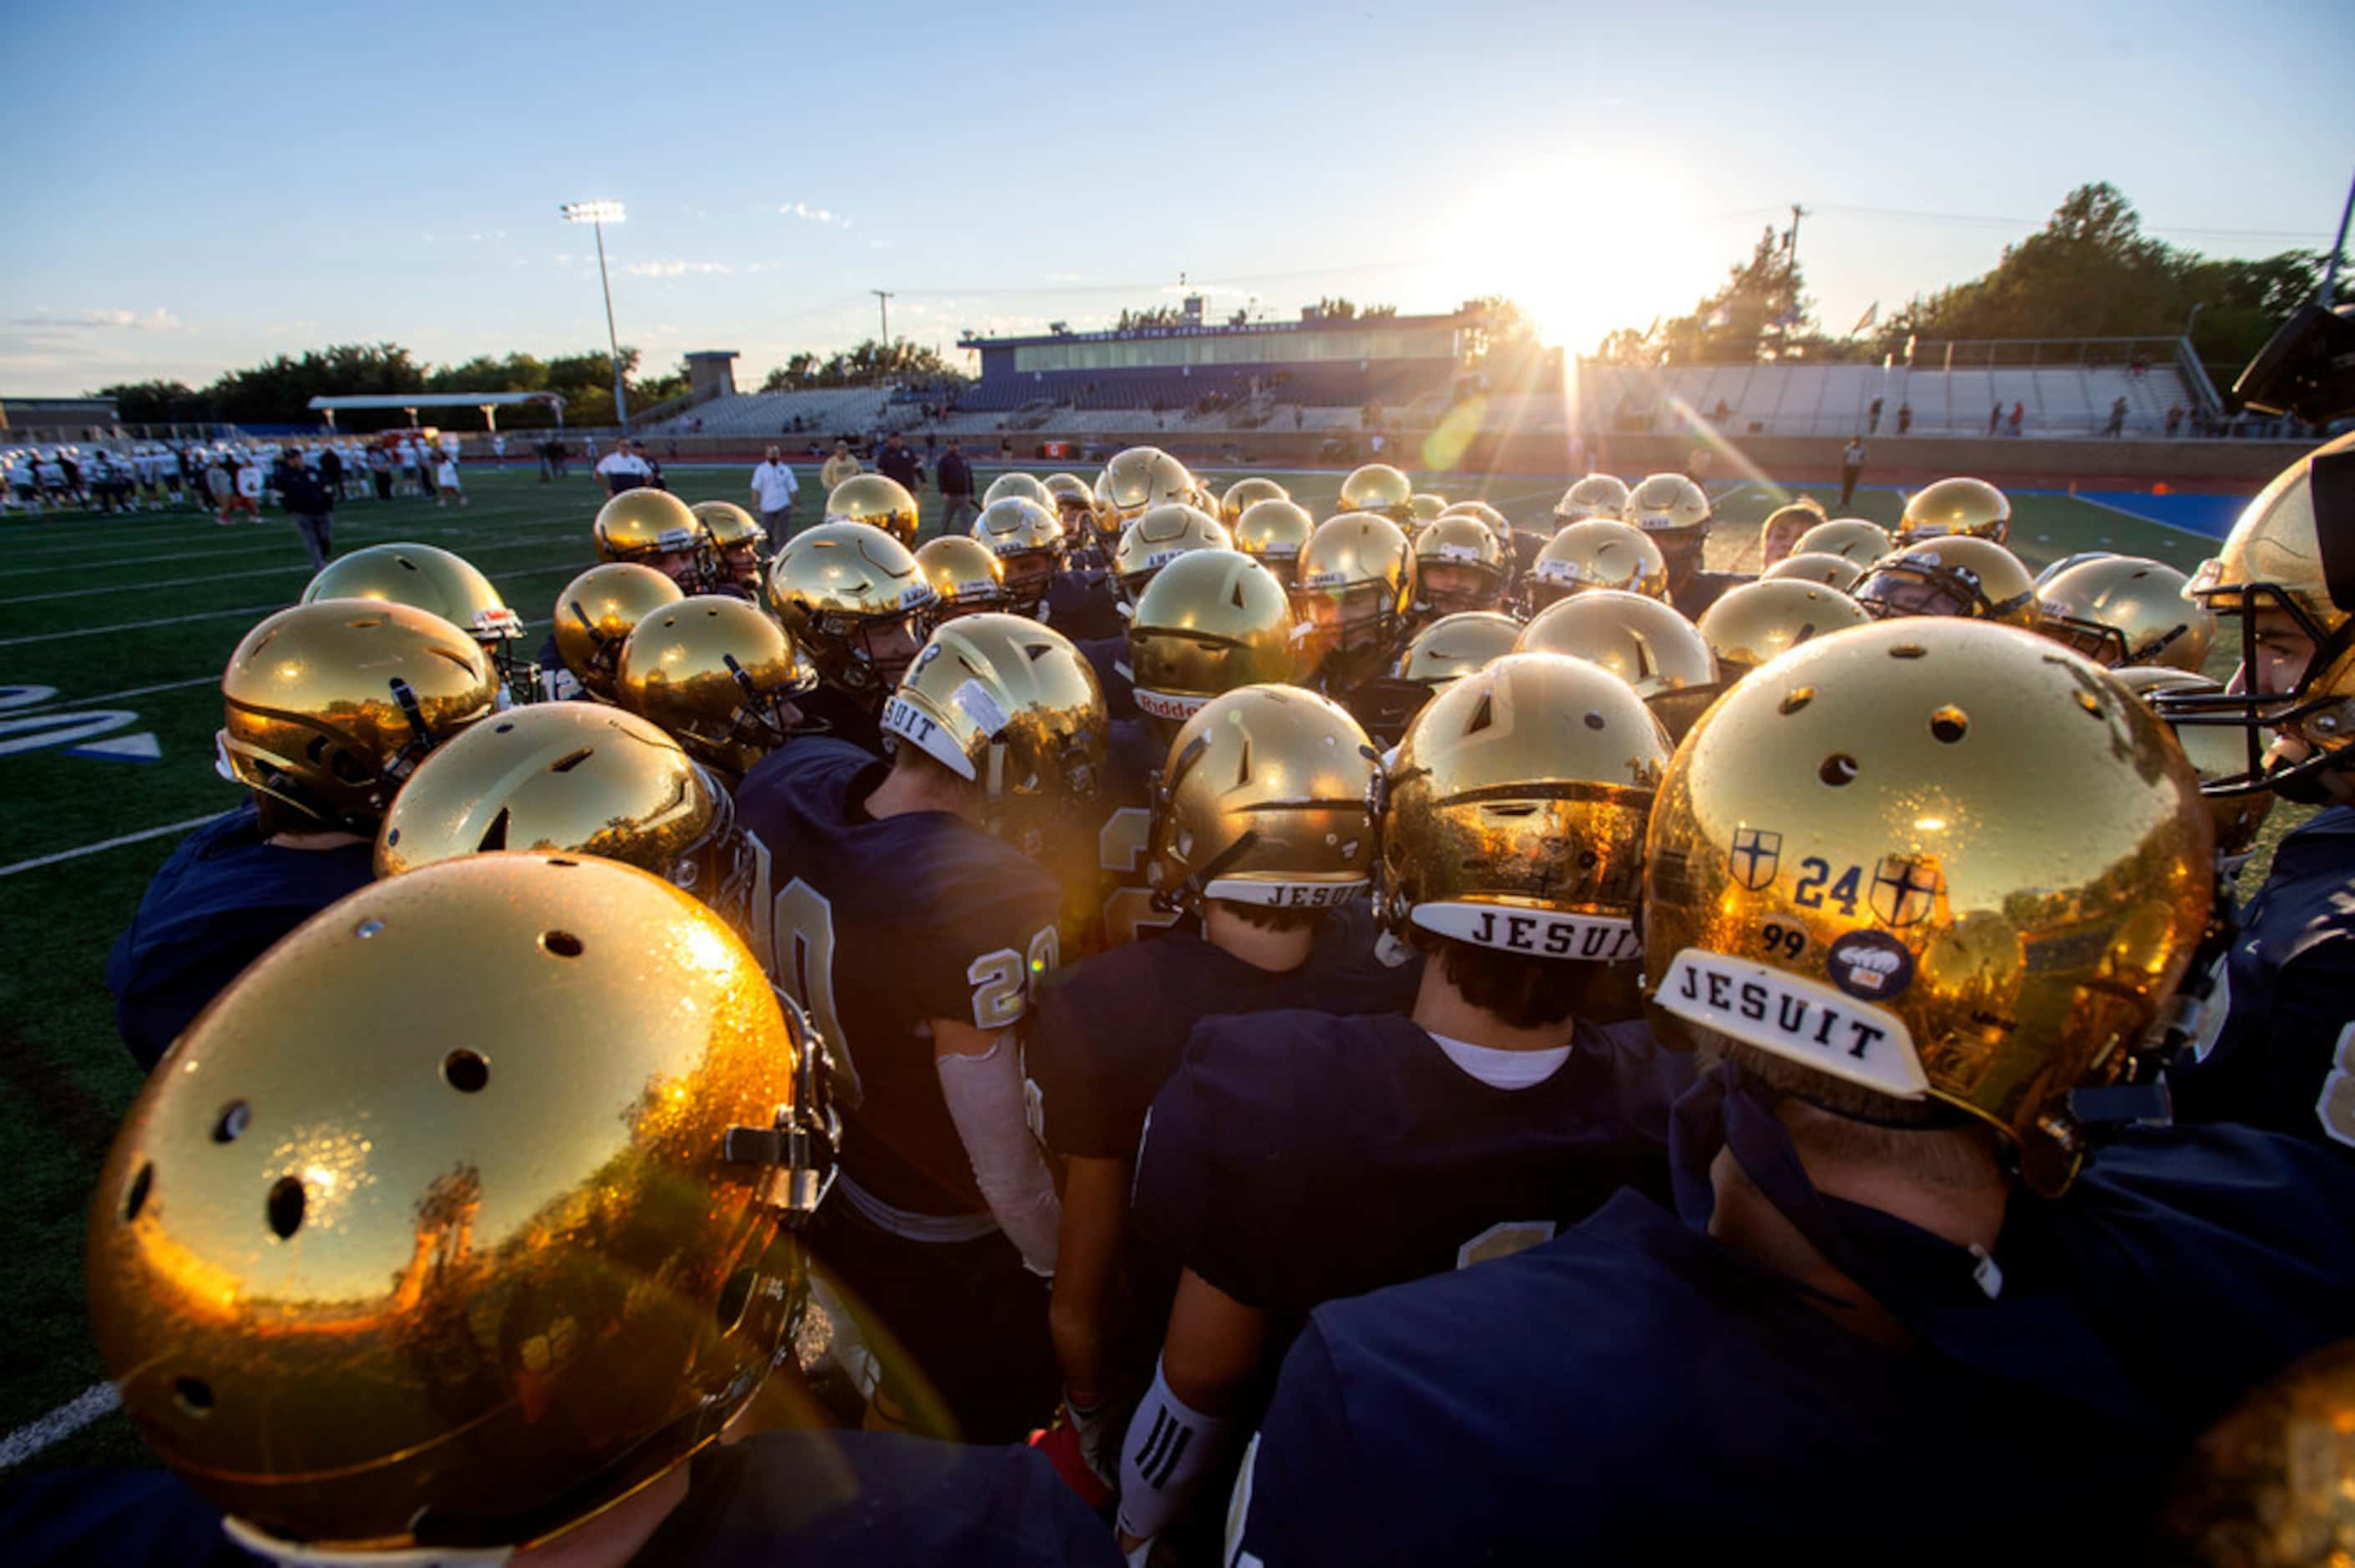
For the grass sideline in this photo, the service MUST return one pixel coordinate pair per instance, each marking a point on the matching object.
(139, 614)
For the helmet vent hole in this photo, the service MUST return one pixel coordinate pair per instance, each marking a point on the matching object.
(563, 944)
(2090, 703)
(466, 1072)
(1594, 721)
(565, 862)
(1949, 724)
(1243, 765)
(1482, 716)
(503, 729)
(567, 764)
(1909, 651)
(194, 1395)
(231, 1125)
(1797, 700)
(134, 1198)
(285, 1207)
(494, 837)
(1838, 768)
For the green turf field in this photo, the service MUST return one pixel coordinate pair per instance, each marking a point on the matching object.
(135, 616)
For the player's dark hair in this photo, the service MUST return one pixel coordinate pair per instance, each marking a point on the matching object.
(1265, 918)
(1524, 991)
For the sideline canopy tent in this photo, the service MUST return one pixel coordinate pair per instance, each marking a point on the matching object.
(490, 403)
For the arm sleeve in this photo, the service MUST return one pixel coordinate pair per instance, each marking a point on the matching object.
(985, 1100)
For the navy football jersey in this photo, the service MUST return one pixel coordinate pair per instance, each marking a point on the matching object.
(1108, 657)
(220, 902)
(1636, 1391)
(1702, 589)
(558, 684)
(2281, 1053)
(1080, 606)
(1122, 909)
(1297, 1156)
(78, 1518)
(876, 926)
(1108, 1032)
(844, 717)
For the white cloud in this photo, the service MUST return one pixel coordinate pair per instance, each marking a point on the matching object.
(878, 245)
(156, 320)
(673, 268)
(1063, 278)
(809, 214)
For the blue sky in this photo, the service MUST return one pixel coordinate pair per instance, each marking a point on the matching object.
(228, 182)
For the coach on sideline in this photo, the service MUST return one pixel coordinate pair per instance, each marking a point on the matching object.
(309, 501)
(623, 469)
(954, 476)
(773, 488)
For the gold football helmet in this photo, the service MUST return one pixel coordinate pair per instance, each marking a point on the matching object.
(2273, 1484)
(1352, 585)
(740, 540)
(1075, 501)
(1515, 809)
(2124, 609)
(1835, 572)
(966, 578)
(720, 676)
(1668, 503)
(329, 706)
(656, 529)
(1027, 537)
(1133, 484)
(1010, 706)
(879, 500)
(1267, 801)
(1159, 538)
(1459, 565)
(1017, 486)
(1209, 622)
(595, 614)
(1854, 539)
(426, 577)
(1827, 881)
(1756, 622)
(840, 588)
(1599, 552)
(2281, 561)
(1956, 506)
(1380, 489)
(1596, 495)
(1423, 506)
(2215, 753)
(573, 778)
(1245, 493)
(1456, 646)
(1272, 534)
(1661, 656)
(1965, 576)
(515, 1247)
(1490, 518)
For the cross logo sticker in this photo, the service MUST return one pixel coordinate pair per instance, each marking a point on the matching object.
(1755, 856)
(1906, 888)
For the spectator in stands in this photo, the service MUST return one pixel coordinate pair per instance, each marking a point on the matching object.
(622, 468)
(1852, 470)
(954, 476)
(2174, 420)
(1299, 417)
(1873, 422)
(842, 465)
(2018, 412)
(2117, 425)
(1904, 418)
(897, 461)
(1995, 419)
(773, 488)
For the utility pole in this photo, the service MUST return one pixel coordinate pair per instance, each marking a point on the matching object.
(885, 296)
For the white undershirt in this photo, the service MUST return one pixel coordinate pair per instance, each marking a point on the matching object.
(1503, 1069)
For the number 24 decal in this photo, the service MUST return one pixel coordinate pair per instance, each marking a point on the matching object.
(1816, 872)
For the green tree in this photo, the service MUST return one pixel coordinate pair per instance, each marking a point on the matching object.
(155, 402)
(1761, 305)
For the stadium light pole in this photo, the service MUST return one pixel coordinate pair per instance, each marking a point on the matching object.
(597, 214)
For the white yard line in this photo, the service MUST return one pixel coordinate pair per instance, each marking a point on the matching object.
(99, 1399)
(2122, 512)
(110, 697)
(575, 568)
(39, 861)
(259, 572)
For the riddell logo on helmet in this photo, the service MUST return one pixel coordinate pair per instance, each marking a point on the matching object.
(1168, 704)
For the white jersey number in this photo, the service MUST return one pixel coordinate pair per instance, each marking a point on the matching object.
(1128, 912)
(801, 959)
(2337, 1106)
(1004, 982)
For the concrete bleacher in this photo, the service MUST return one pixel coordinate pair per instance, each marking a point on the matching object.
(767, 413)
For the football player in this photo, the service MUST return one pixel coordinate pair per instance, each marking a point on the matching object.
(720, 676)
(1661, 656)
(1296, 1158)
(2121, 610)
(1272, 532)
(594, 615)
(1675, 514)
(1596, 495)
(1027, 537)
(1460, 566)
(427, 577)
(965, 579)
(854, 600)
(1836, 572)
(1159, 537)
(1760, 621)
(1355, 581)
(1380, 489)
(1959, 576)
(1260, 836)
(498, 1260)
(2279, 1049)
(1903, 1245)
(879, 500)
(737, 540)
(1434, 658)
(1784, 528)
(327, 708)
(1857, 539)
(1970, 508)
(912, 912)
(1596, 552)
(1245, 493)
(655, 528)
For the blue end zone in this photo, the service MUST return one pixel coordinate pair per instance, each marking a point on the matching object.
(2210, 516)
